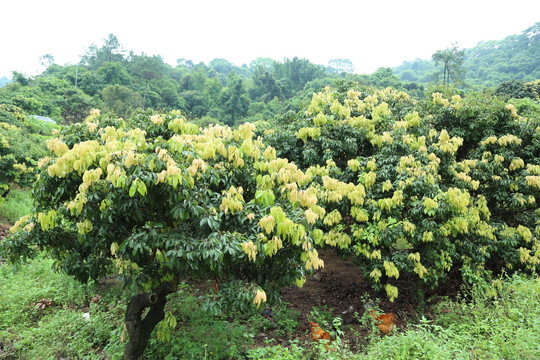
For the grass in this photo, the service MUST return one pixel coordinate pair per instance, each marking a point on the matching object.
(17, 203)
(46, 315)
(42, 316)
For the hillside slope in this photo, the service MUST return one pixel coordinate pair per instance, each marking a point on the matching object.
(489, 62)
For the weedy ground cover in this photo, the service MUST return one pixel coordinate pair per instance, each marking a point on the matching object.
(17, 203)
(46, 315)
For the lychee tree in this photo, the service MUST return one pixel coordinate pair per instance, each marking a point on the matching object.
(154, 199)
(422, 188)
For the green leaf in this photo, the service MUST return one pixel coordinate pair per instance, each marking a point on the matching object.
(133, 188)
(141, 188)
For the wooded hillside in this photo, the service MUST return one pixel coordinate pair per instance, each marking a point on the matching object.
(489, 63)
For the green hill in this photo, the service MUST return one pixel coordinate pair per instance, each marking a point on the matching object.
(489, 62)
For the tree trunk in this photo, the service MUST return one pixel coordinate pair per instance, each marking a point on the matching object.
(139, 330)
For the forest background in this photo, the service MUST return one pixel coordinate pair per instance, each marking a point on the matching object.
(111, 78)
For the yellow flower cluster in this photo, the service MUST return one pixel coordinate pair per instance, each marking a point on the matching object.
(512, 109)
(267, 223)
(516, 164)
(408, 227)
(458, 199)
(260, 297)
(427, 236)
(306, 198)
(47, 220)
(340, 110)
(250, 249)
(320, 120)
(197, 164)
(391, 292)
(375, 274)
(180, 126)
(466, 178)
(391, 269)
(447, 144)
(380, 111)
(337, 238)
(4, 142)
(430, 204)
(232, 200)
(369, 179)
(332, 218)
(57, 146)
(359, 214)
(312, 260)
(21, 168)
(156, 119)
(308, 132)
(533, 181)
(244, 132)
(413, 120)
(272, 246)
(439, 100)
(23, 220)
(353, 164)
(80, 158)
(533, 169)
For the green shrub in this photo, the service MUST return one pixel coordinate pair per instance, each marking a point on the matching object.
(418, 188)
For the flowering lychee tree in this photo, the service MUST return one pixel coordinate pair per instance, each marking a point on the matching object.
(155, 198)
(420, 188)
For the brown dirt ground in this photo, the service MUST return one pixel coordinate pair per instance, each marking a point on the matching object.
(341, 288)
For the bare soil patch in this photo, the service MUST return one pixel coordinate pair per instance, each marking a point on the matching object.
(341, 288)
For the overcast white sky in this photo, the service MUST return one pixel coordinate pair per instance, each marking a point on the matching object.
(371, 33)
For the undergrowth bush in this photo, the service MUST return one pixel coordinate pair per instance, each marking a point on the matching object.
(497, 321)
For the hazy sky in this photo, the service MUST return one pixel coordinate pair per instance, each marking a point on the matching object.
(370, 33)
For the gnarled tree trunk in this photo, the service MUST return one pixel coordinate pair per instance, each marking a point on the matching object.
(139, 330)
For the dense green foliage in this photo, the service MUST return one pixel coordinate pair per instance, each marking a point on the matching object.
(419, 187)
(489, 63)
(22, 144)
(519, 89)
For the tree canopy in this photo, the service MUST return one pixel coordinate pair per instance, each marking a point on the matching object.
(420, 188)
(155, 198)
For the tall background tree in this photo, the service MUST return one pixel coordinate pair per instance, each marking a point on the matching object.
(148, 68)
(451, 60)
